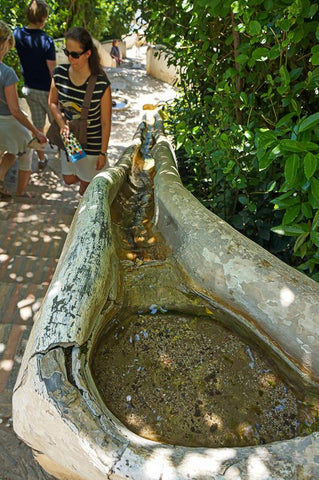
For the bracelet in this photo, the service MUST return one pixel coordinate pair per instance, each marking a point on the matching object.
(104, 154)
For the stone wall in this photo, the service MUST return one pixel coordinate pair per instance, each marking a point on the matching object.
(157, 65)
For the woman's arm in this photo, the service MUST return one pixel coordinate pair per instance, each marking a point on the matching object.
(56, 112)
(11, 95)
(51, 64)
(106, 114)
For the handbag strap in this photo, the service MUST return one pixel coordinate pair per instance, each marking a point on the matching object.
(88, 97)
(85, 109)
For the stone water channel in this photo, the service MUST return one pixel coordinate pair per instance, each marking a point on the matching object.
(169, 346)
(166, 365)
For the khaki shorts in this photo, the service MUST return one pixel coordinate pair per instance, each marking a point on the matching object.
(84, 169)
(25, 160)
(38, 104)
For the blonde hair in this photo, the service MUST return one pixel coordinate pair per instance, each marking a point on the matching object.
(37, 11)
(5, 35)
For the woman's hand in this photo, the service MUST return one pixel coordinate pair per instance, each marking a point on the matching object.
(40, 136)
(65, 130)
(101, 161)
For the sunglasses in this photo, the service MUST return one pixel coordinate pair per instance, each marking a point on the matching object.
(73, 54)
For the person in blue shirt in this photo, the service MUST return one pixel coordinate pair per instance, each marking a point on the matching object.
(37, 55)
(15, 127)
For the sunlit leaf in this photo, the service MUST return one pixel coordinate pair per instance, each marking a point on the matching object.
(290, 230)
(309, 122)
(300, 240)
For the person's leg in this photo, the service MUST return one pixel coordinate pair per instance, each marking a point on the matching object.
(70, 179)
(68, 170)
(6, 161)
(83, 187)
(24, 172)
(42, 157)
(86, 171)
(38, 104)
(23, 179)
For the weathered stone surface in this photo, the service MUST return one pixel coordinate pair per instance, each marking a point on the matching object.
(272, 299)
(64, 421)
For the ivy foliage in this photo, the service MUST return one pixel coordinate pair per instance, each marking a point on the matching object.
(246, 125)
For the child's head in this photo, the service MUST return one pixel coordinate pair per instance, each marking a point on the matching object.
(37, 11)
(115, 42)
(6, 37)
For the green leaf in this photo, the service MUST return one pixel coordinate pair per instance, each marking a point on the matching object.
(254, 27)
(285, 120)
(290, 230)
(260, 54)
(243, 199)
(291, 214)
(242, 58)
(315, 188)
(300, 240)
(285, 200)
(309, 122)
(314, 236)
(312, 10)
(289, 145)
(310, 165)
(315, 59)
(315, 222)
(291, 169)
(306, 210)
(284, 24)
(284, 74)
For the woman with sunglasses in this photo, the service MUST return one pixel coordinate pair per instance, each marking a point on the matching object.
(67, 93)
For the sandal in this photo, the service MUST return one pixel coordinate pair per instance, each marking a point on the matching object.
(4, 192)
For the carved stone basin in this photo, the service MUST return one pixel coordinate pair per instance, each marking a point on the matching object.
(57, 409)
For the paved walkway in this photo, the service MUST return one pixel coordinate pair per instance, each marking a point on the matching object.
(32, 234)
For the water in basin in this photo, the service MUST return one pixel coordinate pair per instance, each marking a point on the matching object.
(176, 373)
(187, 380)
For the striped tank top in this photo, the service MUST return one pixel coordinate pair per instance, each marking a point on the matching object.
(71, 99)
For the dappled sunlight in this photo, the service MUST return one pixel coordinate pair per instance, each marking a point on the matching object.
(55, 289)
(6, 365)
(206, 463)
(10, 357)
(152, 240)
(256, 465)
(268, 380)
(213, 421)
(155, 463)
(287, 297)
(28, 307)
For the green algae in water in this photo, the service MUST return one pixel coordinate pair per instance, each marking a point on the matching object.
(187, 380)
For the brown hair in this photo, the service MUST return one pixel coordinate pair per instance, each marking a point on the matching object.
(5, 34)
(84, 38)
(37, 11)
